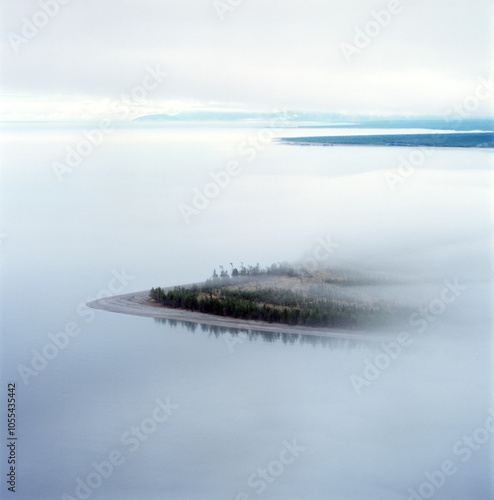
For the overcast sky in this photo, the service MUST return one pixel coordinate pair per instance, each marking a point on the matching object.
(424, 57)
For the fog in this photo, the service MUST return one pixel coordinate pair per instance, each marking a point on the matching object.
(160, 207)
(256, 54)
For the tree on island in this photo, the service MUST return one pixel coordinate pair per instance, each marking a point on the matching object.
(223, 295)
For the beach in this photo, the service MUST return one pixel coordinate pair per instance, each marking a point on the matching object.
(138, 304)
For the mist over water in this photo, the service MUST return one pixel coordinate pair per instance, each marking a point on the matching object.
(360, 421)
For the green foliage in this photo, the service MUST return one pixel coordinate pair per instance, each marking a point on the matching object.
(270, 304)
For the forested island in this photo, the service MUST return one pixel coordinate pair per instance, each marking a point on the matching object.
(286, 294)
(438, 140)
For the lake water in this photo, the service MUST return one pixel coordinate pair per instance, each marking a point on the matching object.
(132, 408)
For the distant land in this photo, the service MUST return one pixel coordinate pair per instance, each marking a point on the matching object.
(448, 140)
(304, 119)
(213, 116)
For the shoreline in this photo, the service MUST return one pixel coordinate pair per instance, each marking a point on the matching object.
(410, 146)
(450, 140)
(138, 304)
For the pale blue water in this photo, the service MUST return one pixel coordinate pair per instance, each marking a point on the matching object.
(246, 418)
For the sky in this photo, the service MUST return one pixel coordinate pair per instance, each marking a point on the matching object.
(79, 59)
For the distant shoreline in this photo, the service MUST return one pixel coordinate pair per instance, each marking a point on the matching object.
(138, 304)
(482, 140)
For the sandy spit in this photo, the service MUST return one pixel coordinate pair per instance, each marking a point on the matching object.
(138, 304)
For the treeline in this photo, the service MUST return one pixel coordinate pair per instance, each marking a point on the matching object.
(344, 277)
(277, 269)
(271, 305)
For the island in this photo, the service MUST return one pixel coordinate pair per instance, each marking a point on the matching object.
(282, 298)
(436, 140)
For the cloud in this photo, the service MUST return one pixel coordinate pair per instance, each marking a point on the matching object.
(265, 54)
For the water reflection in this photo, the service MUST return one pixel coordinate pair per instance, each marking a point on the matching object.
(239, 335)
(236, 410)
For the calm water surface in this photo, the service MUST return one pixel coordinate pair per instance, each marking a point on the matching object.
(188, 413)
